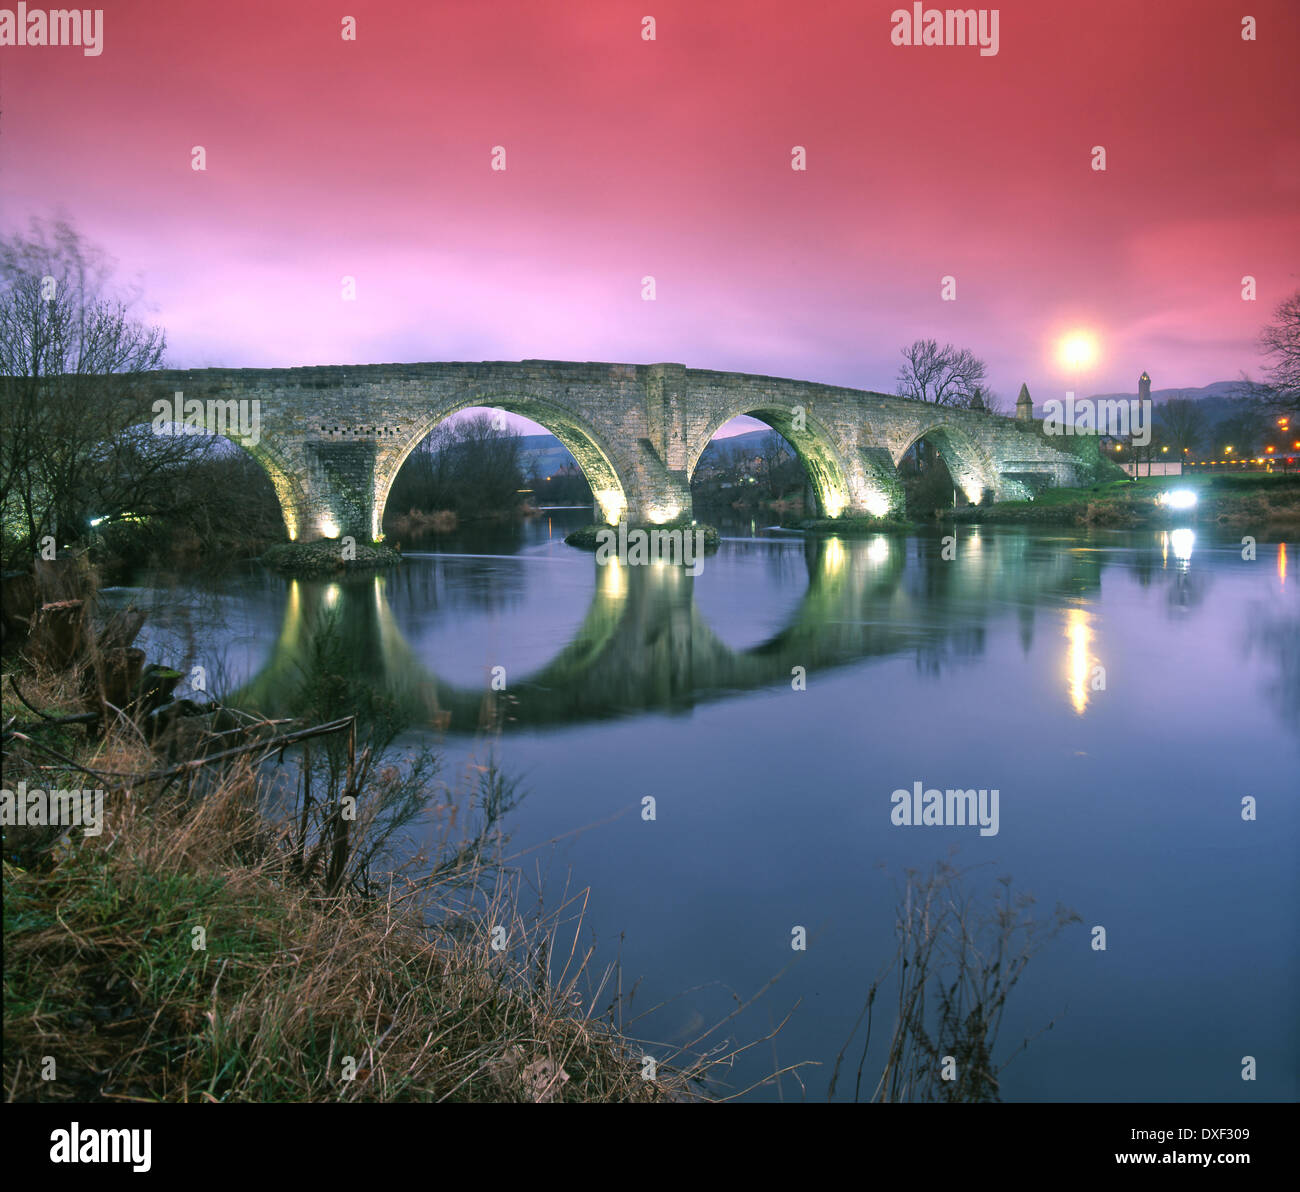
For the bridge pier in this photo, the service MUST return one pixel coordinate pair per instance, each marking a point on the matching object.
(875, 488)
(339, 482)
(656, 494)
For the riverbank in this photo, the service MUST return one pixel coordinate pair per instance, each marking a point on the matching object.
(1236, 501)
(190, 951)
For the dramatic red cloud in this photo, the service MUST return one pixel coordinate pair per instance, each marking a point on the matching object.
(671, 158)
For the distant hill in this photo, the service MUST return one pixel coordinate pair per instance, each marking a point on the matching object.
(751, 443)
(543, 455)
(1219, 389)
(1219, 398)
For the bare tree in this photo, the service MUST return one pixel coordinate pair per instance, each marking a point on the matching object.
(67, 449)
(1280, 343)
(776, 459)
(487, 466)
(1246, 428)
(946, 376)
(1181, 425)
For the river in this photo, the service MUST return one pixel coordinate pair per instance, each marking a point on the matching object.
(1122, 692)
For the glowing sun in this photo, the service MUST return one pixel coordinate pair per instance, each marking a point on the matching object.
(1078, 350)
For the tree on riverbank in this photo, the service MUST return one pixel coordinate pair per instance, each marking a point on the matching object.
(1280, 343)
(927, 483)
(76, 463)
(567, 486)
(749, 474)
(1182, 426)
(471, 467)
(67, 452)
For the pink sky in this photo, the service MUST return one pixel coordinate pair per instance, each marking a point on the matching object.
(671, 158)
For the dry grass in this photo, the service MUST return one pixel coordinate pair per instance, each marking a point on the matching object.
(416, 521)
(188, 953)
(1277, 509)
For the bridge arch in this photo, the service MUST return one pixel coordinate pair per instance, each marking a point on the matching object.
(582, 440)
(971, 468)
(811, 441)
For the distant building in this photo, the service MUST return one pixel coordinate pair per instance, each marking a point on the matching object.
(1024, 405)
(1144, 387)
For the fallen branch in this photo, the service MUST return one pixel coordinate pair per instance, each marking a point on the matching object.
(51, 721)
(270, 745)
(79, 718)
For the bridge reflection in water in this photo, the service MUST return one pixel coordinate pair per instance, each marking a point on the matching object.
(645, 645)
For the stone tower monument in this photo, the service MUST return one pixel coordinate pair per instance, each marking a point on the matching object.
(1144, 387)
(1024, 405)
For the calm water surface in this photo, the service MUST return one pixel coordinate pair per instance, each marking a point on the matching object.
(1120, 792)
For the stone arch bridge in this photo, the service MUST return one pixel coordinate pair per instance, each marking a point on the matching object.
(332, 438)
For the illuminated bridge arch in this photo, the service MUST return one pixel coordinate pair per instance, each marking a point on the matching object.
(971, 468)
(577, 435)
(811, 440)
